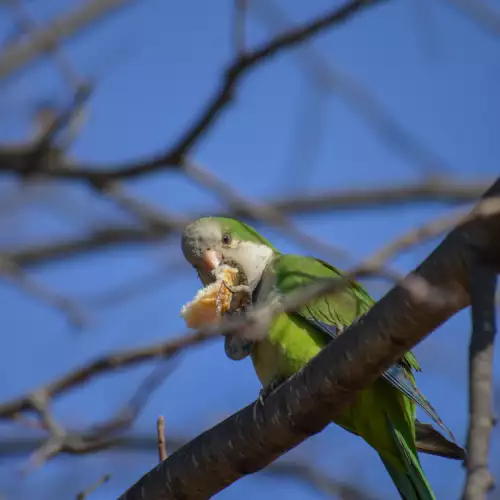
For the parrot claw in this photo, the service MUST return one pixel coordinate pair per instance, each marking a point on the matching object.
(243, 289)
(265, 392)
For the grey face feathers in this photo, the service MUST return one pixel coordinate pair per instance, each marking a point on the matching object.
(205, 244)
(200, 236)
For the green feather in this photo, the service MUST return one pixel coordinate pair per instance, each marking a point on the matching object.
(382, 415)
(239, 230)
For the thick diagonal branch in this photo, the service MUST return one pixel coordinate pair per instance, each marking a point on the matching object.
(257, 435)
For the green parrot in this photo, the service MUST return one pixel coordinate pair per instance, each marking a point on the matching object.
(383, 414)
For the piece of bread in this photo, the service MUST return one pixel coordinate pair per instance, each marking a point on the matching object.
(211, 302)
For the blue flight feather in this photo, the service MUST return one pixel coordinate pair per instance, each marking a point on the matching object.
(395, 375)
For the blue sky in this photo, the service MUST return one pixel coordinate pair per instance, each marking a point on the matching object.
(430, 68)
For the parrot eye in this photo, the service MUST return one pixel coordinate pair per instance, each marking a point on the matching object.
(226, 239)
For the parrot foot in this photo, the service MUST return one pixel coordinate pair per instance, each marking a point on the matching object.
(242, 297)
(265, 392)
(244, 289)
(241, 291)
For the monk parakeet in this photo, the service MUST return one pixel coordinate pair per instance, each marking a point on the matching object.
(383, 414)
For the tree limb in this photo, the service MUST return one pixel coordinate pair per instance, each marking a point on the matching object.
(18, 55)
(251, 439)
(174, 155)
(12, 272)
(446, 192)
(479, 479)
(87, 491)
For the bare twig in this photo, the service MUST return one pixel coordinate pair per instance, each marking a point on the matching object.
(261, 315)
(173, 157)
(18, 55)
(15, 274)
(328, 78)
(351, 199)
(319, 481)
(239, 35)
(31, 27)
(479, 479)
(301, 470)
(480, 11)
(87, 491)
(98, 240)
(249, 209)
(433, 229)
(38, 158)
(114, 361)
(162, 447)
(163, 275)
(447, 191)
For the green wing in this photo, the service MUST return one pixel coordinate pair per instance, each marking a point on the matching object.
(332, 313)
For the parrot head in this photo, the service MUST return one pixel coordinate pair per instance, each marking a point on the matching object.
(213, 241)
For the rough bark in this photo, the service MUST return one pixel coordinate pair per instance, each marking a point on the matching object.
(257, 435)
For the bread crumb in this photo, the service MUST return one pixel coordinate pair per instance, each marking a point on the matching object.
(212, 301)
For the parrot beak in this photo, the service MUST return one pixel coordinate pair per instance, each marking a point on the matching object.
(211, 260)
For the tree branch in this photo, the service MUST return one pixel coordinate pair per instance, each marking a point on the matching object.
(479, 479)
(87, 491)
(173, 157)
(256, 211)
(162, 447)
(12, 272)
(251, 439)
(420, 290)
(481, 12)
(18, 55)
(446, 192)
(299, 469)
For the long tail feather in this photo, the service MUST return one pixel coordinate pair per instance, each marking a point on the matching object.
(429, 440)
(395, 375)
(409, 478)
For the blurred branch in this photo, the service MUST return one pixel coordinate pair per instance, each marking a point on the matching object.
(43, 253)
(138, 442)
(358, 96)
(112, 362)
(17, 55)
(173, 157)
(446, 192)
(87, 491)
(302, 470)
(480, 11)
(98, 437)
(414, 285)
(12, 272)
(30, 27)
(251, 210)
(60, 440)
(319, 481)
(479, 479)
(425, 232)
(166, 274)
(240, 10)
(44, 147)
(254, 437)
